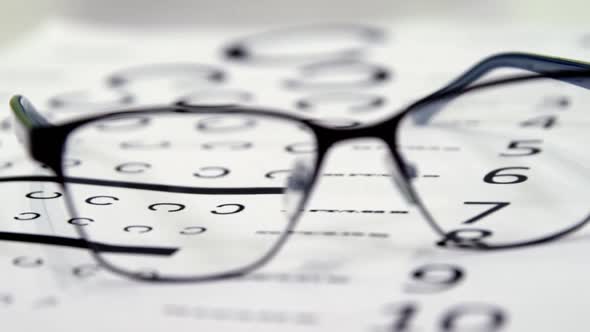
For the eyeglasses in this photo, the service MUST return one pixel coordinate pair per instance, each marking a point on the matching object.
(508, 159)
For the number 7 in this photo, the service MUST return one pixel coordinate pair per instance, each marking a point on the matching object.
(496, 206)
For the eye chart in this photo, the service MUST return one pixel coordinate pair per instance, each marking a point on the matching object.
(360, 259)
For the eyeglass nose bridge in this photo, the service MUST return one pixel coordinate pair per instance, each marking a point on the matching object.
(401, 172)
(384, 131)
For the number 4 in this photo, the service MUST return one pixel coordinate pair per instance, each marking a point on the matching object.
(545, 122)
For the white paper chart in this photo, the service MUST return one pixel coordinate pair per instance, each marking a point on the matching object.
(360, 259)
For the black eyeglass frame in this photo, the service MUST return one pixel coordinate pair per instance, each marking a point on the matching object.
(45, 143)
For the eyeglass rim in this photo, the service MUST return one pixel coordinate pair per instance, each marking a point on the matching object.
(43, 140)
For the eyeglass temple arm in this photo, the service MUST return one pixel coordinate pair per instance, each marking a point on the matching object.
(27, 120)
(532, 62)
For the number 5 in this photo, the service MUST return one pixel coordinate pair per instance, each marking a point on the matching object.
(520, 145)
